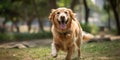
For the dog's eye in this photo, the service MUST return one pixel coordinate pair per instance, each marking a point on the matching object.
(58, 12)
(65, 12)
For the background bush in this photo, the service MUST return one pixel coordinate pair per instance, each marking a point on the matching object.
(90, 28)
(24, 36)
(86, 28)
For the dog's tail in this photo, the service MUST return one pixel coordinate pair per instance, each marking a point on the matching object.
(87, 36)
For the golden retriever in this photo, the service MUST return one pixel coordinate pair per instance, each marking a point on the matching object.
(67, 32)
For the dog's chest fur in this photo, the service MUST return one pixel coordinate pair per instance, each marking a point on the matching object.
(66, 41)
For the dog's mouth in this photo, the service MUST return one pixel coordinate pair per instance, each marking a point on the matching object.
(63, 23)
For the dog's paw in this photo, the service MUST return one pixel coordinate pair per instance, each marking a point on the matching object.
(54, 51)
(54, 55)
(81, 57)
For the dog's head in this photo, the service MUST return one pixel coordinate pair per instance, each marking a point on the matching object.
(61, 17)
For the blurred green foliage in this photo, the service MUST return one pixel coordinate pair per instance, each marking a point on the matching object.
(24, 36)
(113, 31)
(64, 3)
(94, 29)
(20, 7)
(86, 27)
(90, 28)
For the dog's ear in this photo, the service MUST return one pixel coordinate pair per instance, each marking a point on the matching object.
(52, 15)
(72, 15)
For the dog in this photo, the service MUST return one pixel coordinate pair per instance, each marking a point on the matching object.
(67, 32)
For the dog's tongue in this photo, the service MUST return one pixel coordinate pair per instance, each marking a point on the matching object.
(63, 26)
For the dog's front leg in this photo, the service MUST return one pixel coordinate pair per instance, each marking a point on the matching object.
(69, 53)
(54, 50)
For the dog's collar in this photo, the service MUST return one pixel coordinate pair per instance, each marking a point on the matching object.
(65, 33)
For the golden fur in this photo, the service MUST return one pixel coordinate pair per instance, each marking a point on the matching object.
(67, 36)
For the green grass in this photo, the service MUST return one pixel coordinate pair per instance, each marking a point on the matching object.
(90, 51)
(103, 50)
(7, 37)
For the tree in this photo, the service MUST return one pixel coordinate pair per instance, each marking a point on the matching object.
(53, 4)
(73, 3)
(8, 10)
(80, 3)
(27, 14)
(108, 10)
(26, 10)
(86, 11)
(35, 7)
(114, 5)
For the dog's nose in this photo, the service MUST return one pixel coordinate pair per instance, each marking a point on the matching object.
(62, 17)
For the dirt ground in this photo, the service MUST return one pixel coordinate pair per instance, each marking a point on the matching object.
(25, 44)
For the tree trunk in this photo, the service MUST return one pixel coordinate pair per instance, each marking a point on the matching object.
(115, 15)
(37, 15)
(86, 11)
(27, 18)
(73, 3)
(3, 26)
(17, 27)
(15, 24)
(109, 21)
(80, 13)
(53, 5)
(29, 22)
